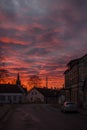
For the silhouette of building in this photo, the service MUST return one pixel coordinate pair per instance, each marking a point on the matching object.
(75, 80)
(18, 81)
(43, 95)
(12, 93)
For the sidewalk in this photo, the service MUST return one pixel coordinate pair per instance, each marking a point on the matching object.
(83, 111)
(4, 109)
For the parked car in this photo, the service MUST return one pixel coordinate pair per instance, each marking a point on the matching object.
(69, 107)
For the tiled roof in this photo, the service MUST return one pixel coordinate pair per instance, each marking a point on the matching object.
(10, 88)
(48, 92)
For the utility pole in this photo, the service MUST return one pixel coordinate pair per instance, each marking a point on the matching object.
(46, 82)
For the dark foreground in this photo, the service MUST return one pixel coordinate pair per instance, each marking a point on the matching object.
(42, 117)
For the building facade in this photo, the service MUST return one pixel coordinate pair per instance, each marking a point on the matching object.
(75, 80)
(12, 93)
(43, 95)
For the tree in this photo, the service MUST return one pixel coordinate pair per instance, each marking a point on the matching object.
(3, 71)
(3, 74)
(34, 81)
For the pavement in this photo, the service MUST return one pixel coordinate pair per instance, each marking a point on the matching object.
(83, 111)
(42, 117)
(4, 109)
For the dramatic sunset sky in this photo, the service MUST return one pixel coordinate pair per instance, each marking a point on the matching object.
(39, 37)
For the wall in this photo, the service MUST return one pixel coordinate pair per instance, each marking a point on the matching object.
(11, 98)
(35, 96)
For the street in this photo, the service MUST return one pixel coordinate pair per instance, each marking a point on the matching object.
(42, 117)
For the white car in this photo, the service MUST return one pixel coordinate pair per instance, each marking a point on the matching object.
(69, 107)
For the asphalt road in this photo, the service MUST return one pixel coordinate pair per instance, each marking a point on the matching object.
(43, 117)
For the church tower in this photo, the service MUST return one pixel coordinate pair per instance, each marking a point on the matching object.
(18, 82)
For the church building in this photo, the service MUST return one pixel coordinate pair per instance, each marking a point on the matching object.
(12, 93)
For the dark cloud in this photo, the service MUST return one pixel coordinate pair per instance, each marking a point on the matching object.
(37, 30)
(11, 33)
(20, 69)
(41, 36)
(38, 52)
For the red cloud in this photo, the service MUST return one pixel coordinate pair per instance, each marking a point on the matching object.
(13, 41)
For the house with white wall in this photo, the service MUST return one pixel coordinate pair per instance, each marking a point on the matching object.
(43, 95)
(12, 93)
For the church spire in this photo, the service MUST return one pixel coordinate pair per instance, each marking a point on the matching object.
(18, 82)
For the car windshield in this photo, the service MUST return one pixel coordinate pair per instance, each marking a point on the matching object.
(69, 103)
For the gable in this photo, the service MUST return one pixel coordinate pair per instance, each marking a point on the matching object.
(45, 92)
(34, 91)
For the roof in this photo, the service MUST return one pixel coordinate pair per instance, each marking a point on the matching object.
(66, 71)
(73, 62)
(48, 92)
(10, 88)
(76, 61)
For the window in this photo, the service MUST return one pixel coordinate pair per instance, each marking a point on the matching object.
(35, 93)
(31, 99)
(9, 98)
(14, 98)
(2, 97)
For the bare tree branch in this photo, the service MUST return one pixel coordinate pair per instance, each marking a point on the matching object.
(34, 81)
(3, 71)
